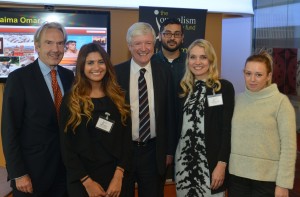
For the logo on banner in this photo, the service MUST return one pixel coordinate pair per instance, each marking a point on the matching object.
(189, 24)
(192, 20)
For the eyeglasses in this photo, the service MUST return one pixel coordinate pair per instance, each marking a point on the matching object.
(169, 34)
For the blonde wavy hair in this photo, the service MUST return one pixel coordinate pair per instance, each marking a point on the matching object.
(80, 103)
(212, 81)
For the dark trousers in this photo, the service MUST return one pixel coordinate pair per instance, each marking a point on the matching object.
(243, 187)
(145, 173)
(57, 189)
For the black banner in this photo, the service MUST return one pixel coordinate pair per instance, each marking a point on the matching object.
(193, 21)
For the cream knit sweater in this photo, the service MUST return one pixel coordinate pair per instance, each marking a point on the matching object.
(263, 141)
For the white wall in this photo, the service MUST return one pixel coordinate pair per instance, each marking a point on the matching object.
(236, 47)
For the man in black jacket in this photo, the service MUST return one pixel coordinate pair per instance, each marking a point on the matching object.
(153, 155)
(30, 131)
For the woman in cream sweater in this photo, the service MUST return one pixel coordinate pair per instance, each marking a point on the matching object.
(263, 141)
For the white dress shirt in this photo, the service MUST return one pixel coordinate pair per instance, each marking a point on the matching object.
(134, 98)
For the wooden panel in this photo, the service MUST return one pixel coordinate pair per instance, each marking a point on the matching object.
(213, 33)
(121, 20)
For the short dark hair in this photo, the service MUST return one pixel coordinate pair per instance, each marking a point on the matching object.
(170, 21)
(70, 41)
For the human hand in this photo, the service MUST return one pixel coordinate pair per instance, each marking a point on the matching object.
(218, 175)
(281, 192)
(93, 188)
(24, 184)
(114, 188)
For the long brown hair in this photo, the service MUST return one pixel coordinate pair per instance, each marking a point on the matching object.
(80, 102)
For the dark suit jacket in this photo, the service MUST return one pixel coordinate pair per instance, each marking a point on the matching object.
(93, 152)
(217, 128)
(163, 106)
(30, 130)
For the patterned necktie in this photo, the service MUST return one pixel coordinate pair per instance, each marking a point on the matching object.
(56, 91)
(144, 124)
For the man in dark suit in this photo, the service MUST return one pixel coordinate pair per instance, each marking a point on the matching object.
(153, 155)
(30, 130)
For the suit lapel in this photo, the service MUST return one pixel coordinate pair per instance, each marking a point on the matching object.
(156, 86)
(126, 79)
(62, 78)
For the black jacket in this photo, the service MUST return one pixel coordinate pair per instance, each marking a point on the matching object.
(30, 130)
(217, 128)
(163, 107)
(92, 151)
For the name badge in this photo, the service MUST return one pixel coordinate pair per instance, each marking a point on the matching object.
(215, 100)
(104, 123)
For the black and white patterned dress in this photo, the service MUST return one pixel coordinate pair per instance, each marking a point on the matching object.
(191, 168)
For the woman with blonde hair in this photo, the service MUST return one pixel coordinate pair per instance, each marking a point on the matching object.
(95, 136)
(205, 123)
(263, 141)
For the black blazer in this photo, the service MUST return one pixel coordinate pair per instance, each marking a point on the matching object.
(94, 152)
(163, 106)
(217, 127)
(30, 130)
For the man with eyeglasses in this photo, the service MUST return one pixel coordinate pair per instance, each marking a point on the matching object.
(170, 55)
(171, 39)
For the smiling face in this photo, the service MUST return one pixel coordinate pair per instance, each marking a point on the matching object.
(256, 76)
(142, 48)
(94, 68)
(51, 46)
(171, 44)
(198, 63)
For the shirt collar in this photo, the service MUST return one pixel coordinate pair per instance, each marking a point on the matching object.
(180, 58)
(44, 68)
(136, 68)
